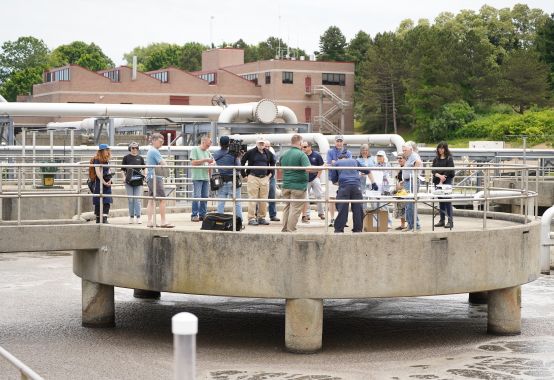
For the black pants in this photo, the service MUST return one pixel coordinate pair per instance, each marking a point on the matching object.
(105, 211)
(349, 192)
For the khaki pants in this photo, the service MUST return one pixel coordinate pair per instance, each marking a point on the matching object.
(292, 210)
(257, 188)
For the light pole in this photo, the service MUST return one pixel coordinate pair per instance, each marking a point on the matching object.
(211, 31)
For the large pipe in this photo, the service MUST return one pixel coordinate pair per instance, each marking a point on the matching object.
(88, 123)
(265, 111)
(108, 110)
(2, 99)
(395, 140)
(546, 241)
(288, 116)
(492, 194)
(284, 138)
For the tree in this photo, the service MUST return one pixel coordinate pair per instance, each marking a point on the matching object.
(524, 80)
(20, 82)
(545, 45)
(89, 56)
(25, 52)
(332, 45)
(191, 56)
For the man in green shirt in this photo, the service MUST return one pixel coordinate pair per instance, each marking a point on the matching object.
(200, 156)
(295, 183)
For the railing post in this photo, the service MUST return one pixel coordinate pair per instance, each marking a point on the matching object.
(19, 195)
(486, 197)
(72, 156)
(34, 157)
(184, 327)
(79, 200)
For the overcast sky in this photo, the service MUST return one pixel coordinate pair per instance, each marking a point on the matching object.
(118, 26)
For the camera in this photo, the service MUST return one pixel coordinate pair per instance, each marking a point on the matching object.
(236, 147)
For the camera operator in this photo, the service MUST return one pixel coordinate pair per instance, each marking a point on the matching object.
(228, 157)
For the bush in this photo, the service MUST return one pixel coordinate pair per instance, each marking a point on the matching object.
(452, 117)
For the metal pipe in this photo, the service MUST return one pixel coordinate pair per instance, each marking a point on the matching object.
(546, 241)
(184, 327)
(381, 139)
(25, 371)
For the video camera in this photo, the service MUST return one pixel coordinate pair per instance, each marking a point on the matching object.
(236, 147)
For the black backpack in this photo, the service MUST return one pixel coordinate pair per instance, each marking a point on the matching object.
(220, 222)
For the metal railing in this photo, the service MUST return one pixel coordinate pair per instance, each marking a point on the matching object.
(26, 372)
(479, 196)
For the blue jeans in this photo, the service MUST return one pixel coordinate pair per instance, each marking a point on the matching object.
(134, 203)
(271, 195)
(200, 190)
(410, 208)
(226, 191)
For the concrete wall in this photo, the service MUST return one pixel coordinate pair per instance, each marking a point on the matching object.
(314, 266)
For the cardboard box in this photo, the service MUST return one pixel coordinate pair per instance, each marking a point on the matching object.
(376, 221)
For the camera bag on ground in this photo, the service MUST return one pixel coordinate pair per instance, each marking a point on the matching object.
(220, 222)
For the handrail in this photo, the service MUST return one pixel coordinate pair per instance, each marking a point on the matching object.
(26, 372)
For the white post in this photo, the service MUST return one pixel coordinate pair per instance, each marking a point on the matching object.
(184, 327)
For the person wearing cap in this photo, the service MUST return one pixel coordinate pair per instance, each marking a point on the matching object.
(200, 156)
(295, 183)
(314, 182)
(333, 157)
(135, 166)
(258, 180)
(102, 182)
(350, 188)
(155, 182)
(382, 179)
(222, 157)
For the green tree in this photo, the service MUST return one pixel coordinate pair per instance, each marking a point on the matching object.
(332, 45)
(89, 56)
(271, 48)
(191, 56)
(23, 53)
(20, 82)
(545, 45)
(524, 80)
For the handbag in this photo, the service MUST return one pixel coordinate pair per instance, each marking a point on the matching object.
(136, 179)
(216, 181)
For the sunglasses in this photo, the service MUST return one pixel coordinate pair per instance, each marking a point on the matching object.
(134, 147)
(304, 146)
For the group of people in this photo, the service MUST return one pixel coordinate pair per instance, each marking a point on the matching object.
(133, 170)
(258, 171)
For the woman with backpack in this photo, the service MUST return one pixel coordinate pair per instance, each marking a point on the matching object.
(102, 179)
(134, 177)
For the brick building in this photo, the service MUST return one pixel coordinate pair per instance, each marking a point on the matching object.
(318, 92)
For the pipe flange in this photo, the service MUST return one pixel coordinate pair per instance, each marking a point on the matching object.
(266, 111)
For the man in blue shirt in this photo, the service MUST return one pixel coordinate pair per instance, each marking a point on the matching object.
(333, 155)
(154, 158)
(350, 187)
(223, 158)
(314, 182)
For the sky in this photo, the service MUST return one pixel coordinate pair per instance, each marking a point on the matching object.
(117, 26)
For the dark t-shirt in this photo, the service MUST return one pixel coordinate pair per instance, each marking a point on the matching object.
(137, 161)
(315, 160)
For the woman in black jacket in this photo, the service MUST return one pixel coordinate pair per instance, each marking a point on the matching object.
(444, 177)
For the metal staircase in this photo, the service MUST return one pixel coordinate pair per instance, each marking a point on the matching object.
(325, 120)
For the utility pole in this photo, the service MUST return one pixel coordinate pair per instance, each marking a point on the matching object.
(393, 108)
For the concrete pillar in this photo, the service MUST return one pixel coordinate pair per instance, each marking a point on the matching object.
(303, 325)
(504, 312)
(478, 298)
(98, 305)
(146, 294)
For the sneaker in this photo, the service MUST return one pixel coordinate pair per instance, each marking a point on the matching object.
(195, 218)
(137, 220)
(263, 222)
(275, 219)
(305, 219)
(332, 224)
(321, 216)
(253, 222)
(399, 228)
(131, 220)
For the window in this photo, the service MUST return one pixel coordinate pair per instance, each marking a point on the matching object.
(113, 75)
(333, 79)
(267, 77)
(211, 78)
(287, 77)
(58, 75)
(251, 77)
(162, 76)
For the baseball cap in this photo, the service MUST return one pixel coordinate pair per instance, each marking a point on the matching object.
(134, 144)
(381, 153)
(224, 140)
(103, 146)
(339, 137)
(260, 140)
